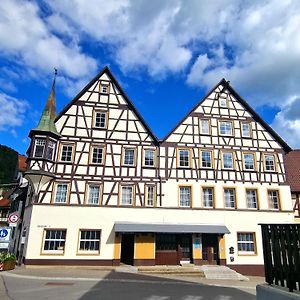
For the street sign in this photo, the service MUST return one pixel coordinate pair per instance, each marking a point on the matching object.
(4, 234)
(13, 217)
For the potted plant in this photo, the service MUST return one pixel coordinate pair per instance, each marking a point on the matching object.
(7, 261)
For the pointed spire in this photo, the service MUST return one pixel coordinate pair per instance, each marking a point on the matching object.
(46, 122)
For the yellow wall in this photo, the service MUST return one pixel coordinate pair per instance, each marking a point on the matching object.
(222, 248)
(144, 246)
(117, 249)
(197, 250)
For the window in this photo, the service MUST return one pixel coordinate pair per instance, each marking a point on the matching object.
(246, 243)
(39, 148)
(129, 157)
(229, 198)
(246, 130)
(251, 198)
(223, 101)
(127, 195)
(185, 196)
(89, 241)
(104, 88)
(184, 158)
(227, 158)
(150, 195)
(249, 161)
(66, 153)
(61, 193)
(50, 150)
(149, 158)
(204, 126)
(98, 153)
(94, 194)
(206, 159)
(54, 241)
(225, 128)
(208, 197)
(273, 197)
(269, 162)
(100, 119)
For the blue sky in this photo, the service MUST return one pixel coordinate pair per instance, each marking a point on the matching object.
(165, 54)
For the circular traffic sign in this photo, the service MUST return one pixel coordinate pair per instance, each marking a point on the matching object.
(3, 233)
(13, 218)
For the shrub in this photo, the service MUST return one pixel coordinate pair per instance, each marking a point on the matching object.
(4, 257)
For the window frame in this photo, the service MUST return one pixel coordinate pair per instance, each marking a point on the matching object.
(189, 158)
(200, 126)
(275, 162)
(53, 252)
(132, 193)
(190, 193)
(213, 197)
(95, 116)
(226, 121)
(106, 84)
(257, 198)
(35, 146)
(134, 156)
(95, 146)
(146, 193)
(254, 161)
(61, 152)
(278, 199)
(48, 147)
(250, 129)
(88, 252)
(211, 158)
(246, 253)
(87, 194)
(154, 157)
(220, 101)
(234, 195)
(233, 160)
(54, 193)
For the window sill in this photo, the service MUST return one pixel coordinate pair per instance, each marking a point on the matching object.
(99, 128)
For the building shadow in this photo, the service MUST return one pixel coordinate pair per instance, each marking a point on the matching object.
(119, 285)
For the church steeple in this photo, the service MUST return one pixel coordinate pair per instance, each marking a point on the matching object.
(46, 122)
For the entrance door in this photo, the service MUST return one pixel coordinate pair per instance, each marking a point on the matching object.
(127, 249)
(210, 249)
(185, 247)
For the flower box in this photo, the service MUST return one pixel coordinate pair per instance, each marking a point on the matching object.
(7, 265)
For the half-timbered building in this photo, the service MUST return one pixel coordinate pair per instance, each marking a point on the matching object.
(105, 190)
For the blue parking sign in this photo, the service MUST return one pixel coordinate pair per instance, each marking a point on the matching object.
(4, 234)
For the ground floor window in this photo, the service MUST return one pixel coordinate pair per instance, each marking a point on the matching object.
(54, 240)
(89, 241)
(166, 242)
(246, 243)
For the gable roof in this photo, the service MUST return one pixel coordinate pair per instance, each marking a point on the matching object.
(130, 104)
(255, 115)
(292, 169)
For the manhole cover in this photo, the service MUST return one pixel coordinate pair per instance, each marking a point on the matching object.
(57, 283)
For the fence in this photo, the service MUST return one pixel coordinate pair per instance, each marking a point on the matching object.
(281, 245)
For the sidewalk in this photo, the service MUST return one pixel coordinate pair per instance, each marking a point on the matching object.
(117, 275)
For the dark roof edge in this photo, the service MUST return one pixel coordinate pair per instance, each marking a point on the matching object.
(130, 104)
(222, 81)
(256, 116)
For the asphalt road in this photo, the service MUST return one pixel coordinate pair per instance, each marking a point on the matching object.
(117, 286)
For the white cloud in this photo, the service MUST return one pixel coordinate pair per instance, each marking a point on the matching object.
(12, 112)
(26, 40)
(287, 122)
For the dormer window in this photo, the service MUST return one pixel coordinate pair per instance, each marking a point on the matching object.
(39, 148)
